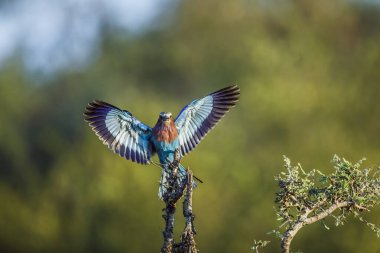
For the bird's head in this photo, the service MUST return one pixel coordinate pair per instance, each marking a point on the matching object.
(165, 129)
(165, 117)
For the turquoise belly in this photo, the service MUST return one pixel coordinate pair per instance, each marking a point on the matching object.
(165, 151)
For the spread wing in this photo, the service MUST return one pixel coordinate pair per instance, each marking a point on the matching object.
(123, 133)
(200, 116)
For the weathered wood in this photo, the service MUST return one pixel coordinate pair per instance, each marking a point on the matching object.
(173, 194)
(187, 244)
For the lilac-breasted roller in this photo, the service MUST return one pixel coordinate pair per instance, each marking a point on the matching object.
(132, 139)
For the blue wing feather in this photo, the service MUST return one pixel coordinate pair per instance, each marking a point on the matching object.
(120, 131)
(197, 118)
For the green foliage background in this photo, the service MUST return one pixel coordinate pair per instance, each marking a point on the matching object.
(309, 73)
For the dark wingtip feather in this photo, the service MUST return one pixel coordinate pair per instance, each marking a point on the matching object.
(96, 107)
(228, 89)
(229, 93)
(226, 98)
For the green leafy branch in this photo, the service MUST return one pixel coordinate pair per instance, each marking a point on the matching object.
(307, 197)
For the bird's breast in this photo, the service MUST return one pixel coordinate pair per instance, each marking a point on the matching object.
(164, 145)
(165, 132)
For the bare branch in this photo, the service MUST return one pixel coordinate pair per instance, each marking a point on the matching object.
(187, 244)
(175, 192)
(171, 196)
(303, 221)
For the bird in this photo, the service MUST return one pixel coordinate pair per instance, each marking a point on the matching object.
(124, 134)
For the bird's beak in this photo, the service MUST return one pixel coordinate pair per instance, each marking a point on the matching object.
(165, 117)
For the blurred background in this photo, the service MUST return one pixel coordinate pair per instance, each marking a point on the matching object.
(309, 73)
